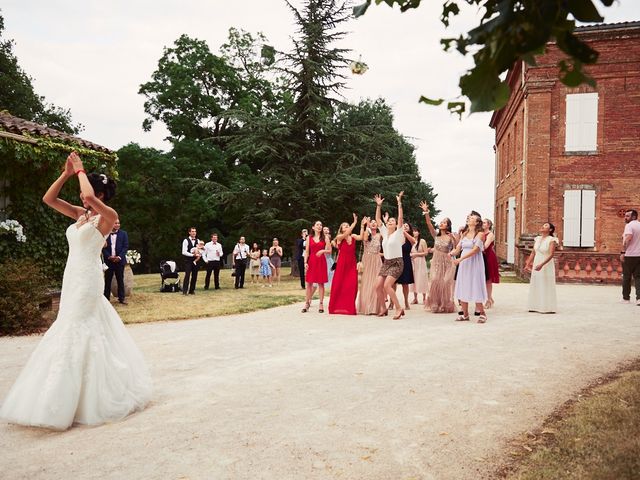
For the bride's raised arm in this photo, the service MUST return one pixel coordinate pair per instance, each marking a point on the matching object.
(51, 198)
(107, 213)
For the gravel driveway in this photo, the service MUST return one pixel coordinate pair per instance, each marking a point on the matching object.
(282, 395)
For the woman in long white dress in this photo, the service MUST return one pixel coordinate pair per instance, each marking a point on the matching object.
(86, 369)
(542, 287)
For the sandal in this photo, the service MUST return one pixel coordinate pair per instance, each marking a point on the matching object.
(320, 308)
(482, 318)
(386, 312)
(306, 307)
(399, 314)
(462, 318)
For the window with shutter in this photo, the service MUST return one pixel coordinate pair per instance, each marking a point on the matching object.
(579, 218)
(581, 122)
(571, 219)
(588, 219)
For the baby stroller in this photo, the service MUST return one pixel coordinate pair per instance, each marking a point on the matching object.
(170, 277)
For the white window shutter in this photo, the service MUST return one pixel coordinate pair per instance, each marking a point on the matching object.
(588, 234)
(571, 223)
(581, 122)
(588, 122)
(572, 124)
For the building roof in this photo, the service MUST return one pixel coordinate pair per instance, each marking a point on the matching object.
(31, 130)
(599, 27)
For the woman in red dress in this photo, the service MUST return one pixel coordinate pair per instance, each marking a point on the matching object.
(344, 288)
(493, 273)
(315, 264)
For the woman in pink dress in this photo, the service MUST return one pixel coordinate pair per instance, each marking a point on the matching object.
(491, 260)
(315, 264)
(344, 287)
(440, 298)
(371, 264)
(420, 283)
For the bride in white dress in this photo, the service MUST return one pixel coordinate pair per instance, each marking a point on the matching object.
(542, 287)
(86, 369)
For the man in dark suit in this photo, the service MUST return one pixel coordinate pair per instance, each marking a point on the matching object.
(114, 254)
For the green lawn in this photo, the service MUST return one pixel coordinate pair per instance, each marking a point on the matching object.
(148, 304)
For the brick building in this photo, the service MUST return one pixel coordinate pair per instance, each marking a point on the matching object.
(571, 156)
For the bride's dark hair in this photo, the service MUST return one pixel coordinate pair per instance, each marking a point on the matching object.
(102, 184)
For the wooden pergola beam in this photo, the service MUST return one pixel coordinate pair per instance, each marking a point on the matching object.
(19, 138)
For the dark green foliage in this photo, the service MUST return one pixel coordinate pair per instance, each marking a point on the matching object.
(23, 297)
(157, 201)
(319, 158)
(28, 170)
(262, 144)
(194, 92)
(18, 97)
(512, 30)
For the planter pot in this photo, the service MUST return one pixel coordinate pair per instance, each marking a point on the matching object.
(128, 282)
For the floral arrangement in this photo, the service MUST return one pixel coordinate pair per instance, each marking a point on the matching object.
(359, 67)
(13, 226)
(132, 257)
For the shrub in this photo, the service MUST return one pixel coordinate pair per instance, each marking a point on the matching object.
(23, 297)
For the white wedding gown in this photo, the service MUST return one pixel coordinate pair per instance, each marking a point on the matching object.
(86, 369)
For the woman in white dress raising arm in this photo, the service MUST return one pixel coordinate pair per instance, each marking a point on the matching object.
(86, 369)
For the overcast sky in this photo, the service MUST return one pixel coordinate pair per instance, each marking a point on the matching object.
(91, 57)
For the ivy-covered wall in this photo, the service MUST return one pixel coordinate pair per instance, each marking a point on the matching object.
(28, 170)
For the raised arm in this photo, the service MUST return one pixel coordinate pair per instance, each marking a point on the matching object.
(400, 217)
(107, 213)
(427, 218)
(51, 199)
(341, 236)
(379, 201)
(364, 233)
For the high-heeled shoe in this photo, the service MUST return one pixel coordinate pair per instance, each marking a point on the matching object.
(386, 312)
(320, 308)
(306, 307)
(399, 314)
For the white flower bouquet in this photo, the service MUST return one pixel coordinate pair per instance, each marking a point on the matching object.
(359, 67)
(132, 257)
(13, 227)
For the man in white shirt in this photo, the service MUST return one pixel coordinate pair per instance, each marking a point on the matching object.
(240, 255)
(190, 268)
(630, 256)
(213, 258)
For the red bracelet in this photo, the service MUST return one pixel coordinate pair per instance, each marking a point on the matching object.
(81, 170)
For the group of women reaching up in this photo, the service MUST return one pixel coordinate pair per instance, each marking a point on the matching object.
(463, 266)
